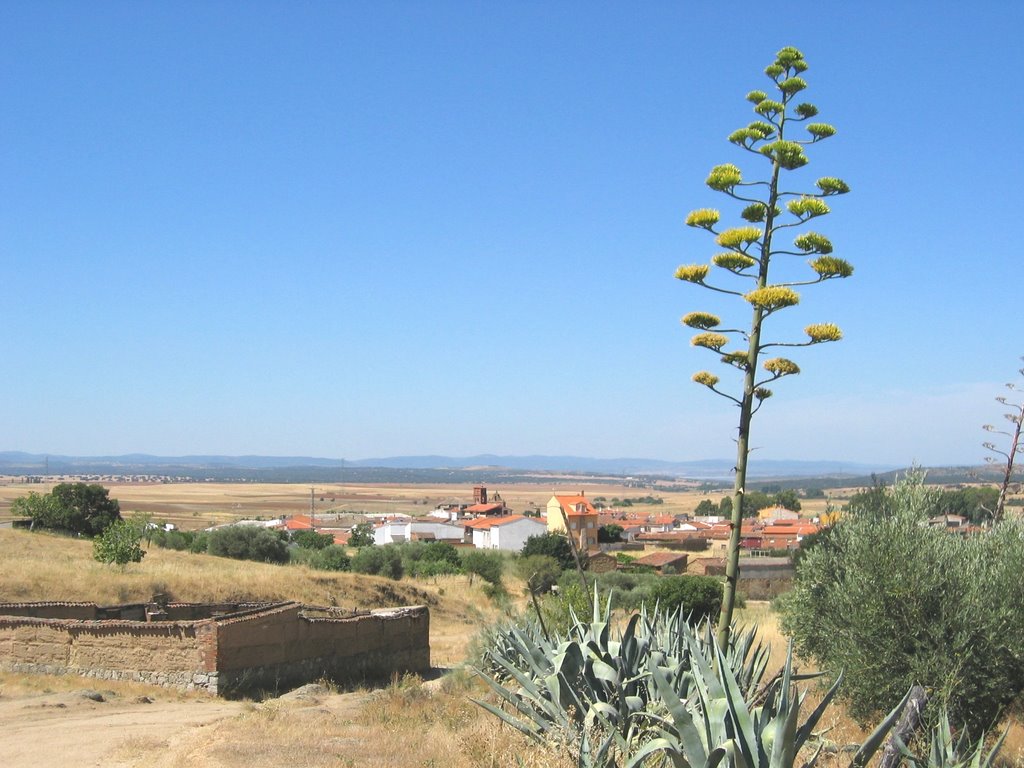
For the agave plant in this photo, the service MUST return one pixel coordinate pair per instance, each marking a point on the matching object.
(591, 682)
(947, 751)
(716, 723)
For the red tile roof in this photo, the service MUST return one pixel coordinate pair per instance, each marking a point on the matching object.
(570, 503)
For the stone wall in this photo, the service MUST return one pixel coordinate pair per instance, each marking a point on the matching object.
(234, 649)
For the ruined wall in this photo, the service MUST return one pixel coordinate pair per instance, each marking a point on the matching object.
(283, 647)
(167, 653)
(240, 650)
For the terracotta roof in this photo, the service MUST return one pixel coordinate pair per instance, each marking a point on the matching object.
(569, 504)
(660, 559)
(298, 523)
(478, 509)
(482, 523)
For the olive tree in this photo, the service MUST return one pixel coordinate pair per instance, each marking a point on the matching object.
(745, 267)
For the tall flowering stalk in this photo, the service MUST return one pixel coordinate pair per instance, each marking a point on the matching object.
(742, 266)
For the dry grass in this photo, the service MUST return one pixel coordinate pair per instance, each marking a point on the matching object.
(40, 566)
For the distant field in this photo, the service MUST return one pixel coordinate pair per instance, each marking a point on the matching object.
(197, 505)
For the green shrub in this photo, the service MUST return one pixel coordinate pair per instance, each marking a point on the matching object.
(553, 545)
(540, 572)
(384, 560)
(699, 597)
(489, 566)
(120, 543)
(332, 558)
(312, 539)
(891, 601)
(248, 542)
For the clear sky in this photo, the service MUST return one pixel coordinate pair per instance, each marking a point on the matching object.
(356, 229)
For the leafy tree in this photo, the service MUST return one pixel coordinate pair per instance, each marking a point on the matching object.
(361, 535)
(788, 499)
(379, 561)
(540, 572)
(72, 507)
(489, 566)
(699, 597)
(609, 533)
(977, 504)
(890, 602)
(248, 542)
(120, 543)
(429, 558)
(706, 508)
(749, 252)
(310, 539)
(553, 545)
(330, 558)
(1007, 458)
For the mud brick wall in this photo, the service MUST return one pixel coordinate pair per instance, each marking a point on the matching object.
(170, 654)
(238, 650)
(283, 647)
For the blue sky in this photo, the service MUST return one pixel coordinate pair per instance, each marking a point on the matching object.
(382, 228)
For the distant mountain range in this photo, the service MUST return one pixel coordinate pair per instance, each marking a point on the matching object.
(14, 462)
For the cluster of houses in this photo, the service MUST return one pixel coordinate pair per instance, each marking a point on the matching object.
(488, 523)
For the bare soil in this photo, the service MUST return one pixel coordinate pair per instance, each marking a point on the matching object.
(115, 730)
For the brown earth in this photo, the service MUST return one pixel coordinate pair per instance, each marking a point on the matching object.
(122, 729)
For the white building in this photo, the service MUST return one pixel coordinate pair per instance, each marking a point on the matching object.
(397, 531)
(508, 533)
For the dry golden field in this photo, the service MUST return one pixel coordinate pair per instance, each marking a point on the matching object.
(196, 505)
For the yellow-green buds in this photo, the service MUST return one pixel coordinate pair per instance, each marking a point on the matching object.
(805, 111)
(830, 185)
(734, 262)
(762, 393)
(763, 129)
(820, 130)
(807, 208)
(724, 177)
(773, 297)
(713, 341)
(705, 218)
(788, 154)
(706, 378)
(788, 56)
(821, 332)
(756, 97)
(769, 108)
(702, 320)
(692, 273)
(754, 212)
(780, 366)
(741, 136)
(736, 359)
(774, 70)
(792, 85)
(737, 236)
(831, 266)
(812, 242)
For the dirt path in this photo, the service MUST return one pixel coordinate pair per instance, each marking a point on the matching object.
(88, 729)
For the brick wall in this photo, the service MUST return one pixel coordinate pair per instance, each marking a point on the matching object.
(237, 650)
